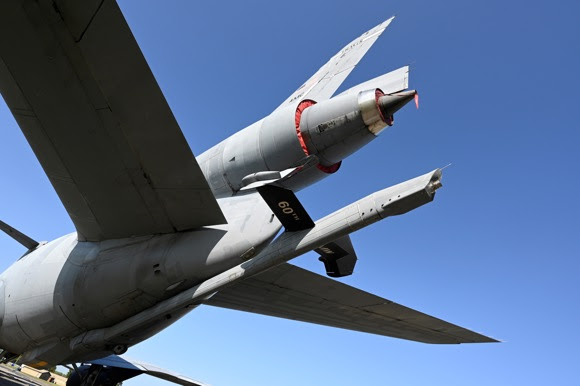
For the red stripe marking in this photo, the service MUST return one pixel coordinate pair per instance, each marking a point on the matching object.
(299, 110)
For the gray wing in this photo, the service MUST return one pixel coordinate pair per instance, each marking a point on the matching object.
(329, 77)
(79, 87)
(290, 292)
(146, 368)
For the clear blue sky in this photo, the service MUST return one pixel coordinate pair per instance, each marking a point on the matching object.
(498, 250)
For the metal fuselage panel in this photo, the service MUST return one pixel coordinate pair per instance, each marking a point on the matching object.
(331, 130)
(55, 296)
(67, 287)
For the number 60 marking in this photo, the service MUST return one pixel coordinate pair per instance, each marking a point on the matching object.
(285, 206)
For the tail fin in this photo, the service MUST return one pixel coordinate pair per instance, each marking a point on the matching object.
(389, 83)
(329, 77)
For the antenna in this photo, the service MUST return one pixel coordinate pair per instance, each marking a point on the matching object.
(19, 236)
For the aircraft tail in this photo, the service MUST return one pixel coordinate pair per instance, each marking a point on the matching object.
(389, 83)
(329, 77)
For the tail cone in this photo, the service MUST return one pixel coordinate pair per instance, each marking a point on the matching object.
(390, 104)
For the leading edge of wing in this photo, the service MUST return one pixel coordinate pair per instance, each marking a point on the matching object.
(84, 96)
(290, 292)
(329, 77)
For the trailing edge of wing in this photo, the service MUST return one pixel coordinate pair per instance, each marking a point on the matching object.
(329, 77)
(290, 292)
(81, 91)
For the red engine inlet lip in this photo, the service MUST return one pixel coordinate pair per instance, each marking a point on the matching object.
(303, 105)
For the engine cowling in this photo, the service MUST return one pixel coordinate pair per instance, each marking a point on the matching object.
(334, 129)
(331, 130)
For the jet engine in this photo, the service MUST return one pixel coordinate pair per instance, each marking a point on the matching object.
(336, 128)
(328, 131)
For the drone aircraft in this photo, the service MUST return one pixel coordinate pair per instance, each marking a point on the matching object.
(166, 231)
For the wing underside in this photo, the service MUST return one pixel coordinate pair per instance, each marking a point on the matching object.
(81, 91)
(290, 292)
(140, 367)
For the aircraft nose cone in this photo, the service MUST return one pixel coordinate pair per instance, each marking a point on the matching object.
(390, 104)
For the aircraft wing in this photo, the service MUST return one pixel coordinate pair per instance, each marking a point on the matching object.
(139, 367)
(79, 87)
(290, 292)
(329, 77)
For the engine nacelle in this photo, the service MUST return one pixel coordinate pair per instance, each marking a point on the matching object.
(331, 130)
(336, 128)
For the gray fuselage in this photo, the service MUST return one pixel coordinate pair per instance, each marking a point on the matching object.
(66, 287)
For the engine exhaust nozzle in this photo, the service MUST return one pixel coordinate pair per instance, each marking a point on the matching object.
(391, 103)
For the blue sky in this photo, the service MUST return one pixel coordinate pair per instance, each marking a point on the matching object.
(498, 250)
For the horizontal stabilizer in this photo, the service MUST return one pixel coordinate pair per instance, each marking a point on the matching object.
(18, 236)
(290, 292)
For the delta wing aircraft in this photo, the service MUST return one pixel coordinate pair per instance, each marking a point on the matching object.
(168, 232)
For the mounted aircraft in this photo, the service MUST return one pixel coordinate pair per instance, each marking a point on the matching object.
(168, 232)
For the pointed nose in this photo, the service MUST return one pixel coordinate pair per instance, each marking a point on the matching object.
(390, 104)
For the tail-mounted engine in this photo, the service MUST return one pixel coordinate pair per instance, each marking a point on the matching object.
(336, 128)
(330, 131)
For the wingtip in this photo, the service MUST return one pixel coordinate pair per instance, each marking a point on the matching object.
(479, 338)
(382, 26)
(485, 339)
(388, 21)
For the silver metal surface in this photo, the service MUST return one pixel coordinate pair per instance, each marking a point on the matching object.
(392, 201)
(80, 103)
(280, 292)
(329, 77)
(367, 101)
(157, 232)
